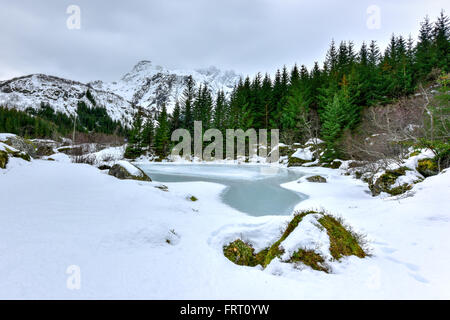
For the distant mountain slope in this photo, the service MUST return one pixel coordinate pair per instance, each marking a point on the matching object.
(61, 94)
(145, 85)
(152, 86)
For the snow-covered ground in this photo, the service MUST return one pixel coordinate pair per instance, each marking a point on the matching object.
(132, 240)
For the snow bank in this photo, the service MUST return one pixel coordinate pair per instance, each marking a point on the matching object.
(131, 240)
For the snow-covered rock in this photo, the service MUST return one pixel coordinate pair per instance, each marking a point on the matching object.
(126, 171)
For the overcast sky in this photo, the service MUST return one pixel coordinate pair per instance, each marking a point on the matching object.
(243, 35)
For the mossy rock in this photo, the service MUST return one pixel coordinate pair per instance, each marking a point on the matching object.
(122, 173)
(333, 165)
(296, 162)
(356, 164)
(21, 144)
(44, 151)
(65, 150)
(241, 253)
(285, 151)
(3, 159)
(428, 167)
(386, 180)
(104, 167)
(22, 155)
(311, 259)
(4, 156)
(275, 250)
(343, 242)
(317, 179)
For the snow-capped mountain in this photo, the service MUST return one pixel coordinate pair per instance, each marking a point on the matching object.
(152, 86)
(145, 85)
(61, 94)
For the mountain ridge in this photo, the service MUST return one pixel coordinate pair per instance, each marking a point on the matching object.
(145, 85)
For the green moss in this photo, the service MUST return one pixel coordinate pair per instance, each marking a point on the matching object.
(240, 253)
(342, 241)
(399, 190)
(193, 198)
(296, 162)
(333, 165)
(428, 167)
(311, 259)
(3, 159)
(390, 176)
(275, 251)
(415, 153)
(386, 180)
(261, 256)
(18, 154)
(22, 155)
(285, 151)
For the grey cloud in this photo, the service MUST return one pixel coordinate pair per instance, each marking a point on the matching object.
(247, 36)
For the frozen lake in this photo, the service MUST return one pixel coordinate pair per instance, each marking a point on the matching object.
(254, 190)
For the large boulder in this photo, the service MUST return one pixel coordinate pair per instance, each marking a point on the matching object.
(20, 144)
(7, 151)
(126, 171)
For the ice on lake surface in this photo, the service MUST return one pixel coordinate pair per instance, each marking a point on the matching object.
(254, 190)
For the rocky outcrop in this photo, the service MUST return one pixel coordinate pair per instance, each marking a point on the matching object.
(7, 151)
(385, 183)
(126, 171)
(21, 144)
(317, 179)
(343, 242)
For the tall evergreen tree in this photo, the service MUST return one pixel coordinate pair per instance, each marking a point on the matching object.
(188, 102)
(162, 136)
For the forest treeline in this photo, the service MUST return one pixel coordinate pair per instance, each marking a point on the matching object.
(324, 101)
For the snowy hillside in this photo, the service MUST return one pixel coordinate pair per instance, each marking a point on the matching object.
(145, 85)
(152, 86)
(62, 95)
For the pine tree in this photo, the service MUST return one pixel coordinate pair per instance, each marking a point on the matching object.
(441, 38)
(135, 147)
(188, 101)
(162, 136)
(219, 118)
(148, 133)
(424, 49)
(175, 118)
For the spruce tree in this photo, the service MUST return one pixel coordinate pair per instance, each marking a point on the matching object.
(162, 135)
(441, 38)
(188, 101)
